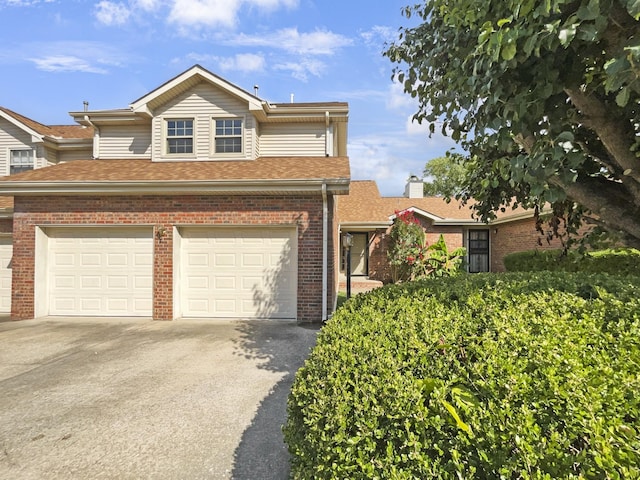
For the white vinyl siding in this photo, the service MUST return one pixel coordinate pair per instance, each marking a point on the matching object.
(96, 271)
(243, 272)
(125, 141)
(286, 139)
(14, 138)
(71, 155)
(6, 250)
(204, 103)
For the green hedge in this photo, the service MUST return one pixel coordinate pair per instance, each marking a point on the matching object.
(518, 376)
(616, 262)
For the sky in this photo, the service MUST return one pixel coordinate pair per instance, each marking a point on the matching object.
(58, 53)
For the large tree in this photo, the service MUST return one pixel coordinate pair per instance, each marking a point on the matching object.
(445, 176)
(543, 96)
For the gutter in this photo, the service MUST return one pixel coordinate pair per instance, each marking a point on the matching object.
(336, 186)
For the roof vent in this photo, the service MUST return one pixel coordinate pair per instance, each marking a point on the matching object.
(86, 106)
(255, 89)
(292, 98)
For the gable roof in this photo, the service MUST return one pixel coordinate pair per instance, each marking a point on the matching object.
(364, 208)
(40, 130)
(265, 174)
(183, 82)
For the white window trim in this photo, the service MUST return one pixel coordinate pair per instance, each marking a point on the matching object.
(165, 136)
(243, 128)
(21, 149)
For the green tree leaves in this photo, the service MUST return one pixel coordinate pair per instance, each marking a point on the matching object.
(506, 77)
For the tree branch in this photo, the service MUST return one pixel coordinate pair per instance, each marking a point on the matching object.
(606, 200)
(613, 133)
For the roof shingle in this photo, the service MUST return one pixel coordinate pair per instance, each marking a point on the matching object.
(127, 170)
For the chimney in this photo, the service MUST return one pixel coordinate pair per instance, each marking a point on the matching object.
(414, 188)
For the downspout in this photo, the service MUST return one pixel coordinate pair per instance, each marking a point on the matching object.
(327, 132)
(96, 138)
(325, 250)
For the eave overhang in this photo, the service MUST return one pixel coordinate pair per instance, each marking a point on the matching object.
(339, 186)
(364, 226)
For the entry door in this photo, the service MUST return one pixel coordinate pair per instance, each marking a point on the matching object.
(359, 254)
(478, 251)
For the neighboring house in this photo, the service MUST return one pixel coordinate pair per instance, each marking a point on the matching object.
(368, 217)
(198, 200)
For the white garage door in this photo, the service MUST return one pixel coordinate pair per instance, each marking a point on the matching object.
(239, 272)
(100, 271)
(6, 251)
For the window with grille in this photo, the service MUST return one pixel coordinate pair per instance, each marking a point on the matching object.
(21, 161)
(228, 136)
(179, 136)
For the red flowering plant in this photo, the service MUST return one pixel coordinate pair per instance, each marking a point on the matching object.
(412, 258)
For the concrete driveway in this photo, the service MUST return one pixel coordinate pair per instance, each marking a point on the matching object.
(114, 398)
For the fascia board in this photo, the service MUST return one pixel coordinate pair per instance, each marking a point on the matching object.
(452, 222)
(113, 117)
(16, 188)
(364, 226)
(141, 103)
(36, 137)
(422, 213)
(513, 218)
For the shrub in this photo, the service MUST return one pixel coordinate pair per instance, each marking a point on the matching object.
(531, 376)
(411, 258)
(616, 262)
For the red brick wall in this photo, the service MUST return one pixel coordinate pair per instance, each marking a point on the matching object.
(165, 212)
(517, 236)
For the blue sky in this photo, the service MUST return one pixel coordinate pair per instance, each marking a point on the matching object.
(58, 53)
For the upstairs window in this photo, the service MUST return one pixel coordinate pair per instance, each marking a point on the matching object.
(180, 136)
(228, 138)
(20, 161)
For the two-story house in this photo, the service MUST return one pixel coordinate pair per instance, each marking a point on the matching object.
(198, 200)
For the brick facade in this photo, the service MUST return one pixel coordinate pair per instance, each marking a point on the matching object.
(519, 236)
(165, 212)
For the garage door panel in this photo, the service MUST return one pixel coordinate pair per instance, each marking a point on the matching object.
(241, 268)
(100, 271)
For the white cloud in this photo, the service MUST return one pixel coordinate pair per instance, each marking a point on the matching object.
(217, 13)
(243, 62)
(148, 5)
(318, 42)
(379, 35)
(302, 68)
(88, 57)
(65, 63)
(390, 159)
(397, 99)
(110, 13)
(210, 13)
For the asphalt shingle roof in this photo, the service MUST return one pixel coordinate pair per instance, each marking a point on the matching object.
(365, 205)
(264, 168)
(59, 131)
